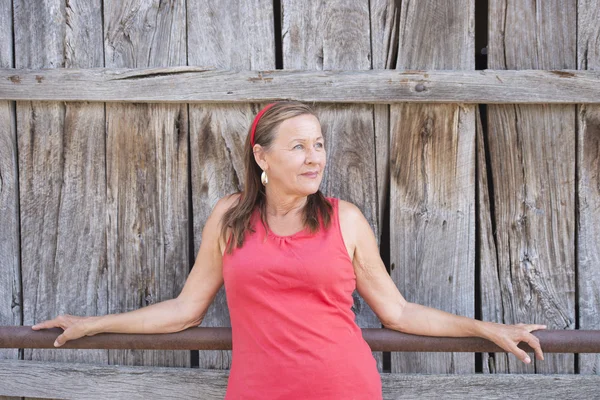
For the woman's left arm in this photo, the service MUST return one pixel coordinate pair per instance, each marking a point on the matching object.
(378, 289)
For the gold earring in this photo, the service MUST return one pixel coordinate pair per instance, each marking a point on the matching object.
(263, 178)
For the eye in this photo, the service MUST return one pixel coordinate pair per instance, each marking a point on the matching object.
(298, 146)
(320, 145)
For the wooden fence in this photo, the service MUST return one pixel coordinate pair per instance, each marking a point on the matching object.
(490, 211)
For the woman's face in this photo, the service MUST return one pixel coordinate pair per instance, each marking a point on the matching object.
(296, 159)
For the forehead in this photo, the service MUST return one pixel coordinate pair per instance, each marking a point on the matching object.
(302, 126)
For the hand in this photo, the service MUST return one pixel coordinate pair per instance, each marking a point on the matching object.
(74, 327)
(508, 336)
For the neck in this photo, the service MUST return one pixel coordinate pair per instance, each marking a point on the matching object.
(281, 205)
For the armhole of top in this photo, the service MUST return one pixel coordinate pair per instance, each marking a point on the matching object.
(336, 221)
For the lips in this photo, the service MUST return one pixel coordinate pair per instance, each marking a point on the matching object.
(310, 174)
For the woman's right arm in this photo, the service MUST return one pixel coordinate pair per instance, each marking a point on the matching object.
(174, 315)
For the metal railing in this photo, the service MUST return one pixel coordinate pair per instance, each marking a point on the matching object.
(200, 338)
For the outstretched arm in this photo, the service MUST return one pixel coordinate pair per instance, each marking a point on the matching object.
(375, 285)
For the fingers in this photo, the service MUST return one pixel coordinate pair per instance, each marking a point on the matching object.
(513, 335)
(534, 343)
(521, 355)
(60, 340)
(68, 323)
(52, 323)
(531, 340)
(535, 327)
(69, 334)
(62, 321)
(41, 325)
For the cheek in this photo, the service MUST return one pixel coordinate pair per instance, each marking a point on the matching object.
(323, 158)
(290, 165)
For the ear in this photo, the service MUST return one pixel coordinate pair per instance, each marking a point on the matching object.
(260, 156)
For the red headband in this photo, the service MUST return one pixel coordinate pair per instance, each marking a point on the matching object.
(253, 131)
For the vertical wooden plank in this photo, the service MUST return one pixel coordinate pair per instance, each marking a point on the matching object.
(532, 161)
(491, 304)
(61, 174)
(432, 162)
(232, 35)
(588, 179)
(384, 16)
(336, 35)
(10, 273)
(147, 183)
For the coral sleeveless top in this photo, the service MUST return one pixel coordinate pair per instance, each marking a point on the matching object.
(293, 330)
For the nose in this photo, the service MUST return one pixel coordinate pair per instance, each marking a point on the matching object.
(311, 155)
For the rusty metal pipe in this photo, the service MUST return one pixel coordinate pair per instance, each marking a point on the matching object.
(552, 341)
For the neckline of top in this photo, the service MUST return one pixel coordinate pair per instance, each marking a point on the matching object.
(305, 232)
(300, 233)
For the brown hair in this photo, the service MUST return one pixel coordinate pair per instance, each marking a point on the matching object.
(238, 217)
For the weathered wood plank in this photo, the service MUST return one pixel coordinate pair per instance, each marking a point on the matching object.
(335, 35)
(10, 272)
(61, 174)
(384, 44)
(236, 35)
(532, 161)
(215, 148)
(432, 190)
(70, 380)
(209, 85)
(588, 187)
(489, 287)
(147, 177)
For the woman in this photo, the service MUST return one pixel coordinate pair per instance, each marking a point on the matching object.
(290, 259)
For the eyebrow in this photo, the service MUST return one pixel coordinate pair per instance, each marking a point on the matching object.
(303, 140)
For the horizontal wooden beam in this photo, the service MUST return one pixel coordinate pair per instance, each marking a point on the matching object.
(204, 85)
(72, 380)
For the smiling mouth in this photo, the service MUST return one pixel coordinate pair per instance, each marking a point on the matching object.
(311, 174)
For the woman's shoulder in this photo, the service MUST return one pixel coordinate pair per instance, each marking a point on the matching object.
(223, 205)
(226, 202)
(351, 223)
(215, 221)
(348, 210)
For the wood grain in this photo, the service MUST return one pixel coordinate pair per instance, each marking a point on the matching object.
(237, 36)
(489, 280)
(10, 272)
(588, 184)
(204, 85)
(335, 35)
(61, 174)
(432, 173)
(146, 171)
(384, 46)
(532, 161)
(42, 380)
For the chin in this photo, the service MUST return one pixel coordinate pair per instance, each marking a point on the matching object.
(312, 190)
(307, 190)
